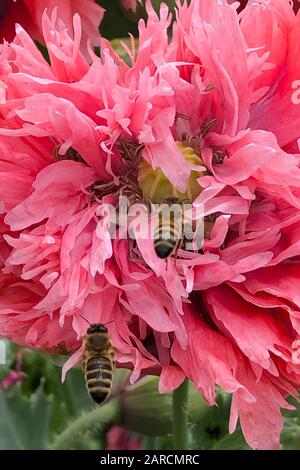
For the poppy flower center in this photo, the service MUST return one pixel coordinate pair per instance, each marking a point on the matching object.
(156, 187)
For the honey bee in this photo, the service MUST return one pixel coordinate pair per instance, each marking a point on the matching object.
(98, 362)
(168, 232)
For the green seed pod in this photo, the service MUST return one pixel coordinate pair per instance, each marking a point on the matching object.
(156, 187)
(146, 411)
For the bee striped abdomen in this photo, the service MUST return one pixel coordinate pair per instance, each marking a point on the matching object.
(98, 374)
(167, 237)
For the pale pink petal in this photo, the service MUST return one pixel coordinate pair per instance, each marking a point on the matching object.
(171, 377)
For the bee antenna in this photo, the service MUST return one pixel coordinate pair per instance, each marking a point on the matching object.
(112, 321)
(85, 320)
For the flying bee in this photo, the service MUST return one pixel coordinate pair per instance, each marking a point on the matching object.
(168, 235)
(98, 362)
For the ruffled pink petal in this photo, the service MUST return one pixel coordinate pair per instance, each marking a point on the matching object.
(208, 360)
(171, 377)
(261, 421)
(283, 98)
(70, 179)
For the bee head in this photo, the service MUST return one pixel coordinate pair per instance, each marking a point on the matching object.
(97, 328)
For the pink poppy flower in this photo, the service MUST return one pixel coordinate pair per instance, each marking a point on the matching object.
(29, 13)
(225, 315)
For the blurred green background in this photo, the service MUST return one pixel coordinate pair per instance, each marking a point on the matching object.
(37, 411)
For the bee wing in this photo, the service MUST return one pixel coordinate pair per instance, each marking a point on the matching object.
(111, 354)
(84, 361)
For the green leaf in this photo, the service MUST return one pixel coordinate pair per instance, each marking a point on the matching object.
(140, 11)
(69, 398)
(114, 23)
(290, 436)
(210, 423)
(235, 441)
(24, 422)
